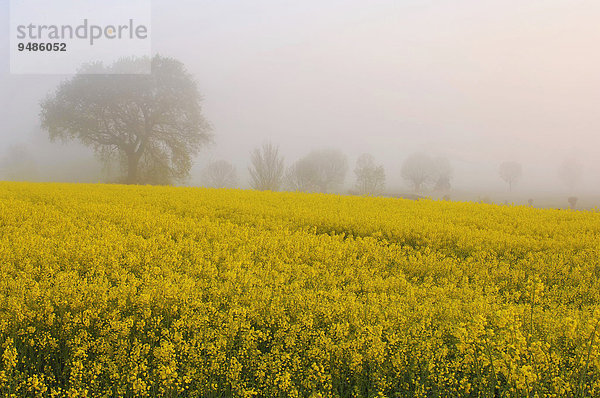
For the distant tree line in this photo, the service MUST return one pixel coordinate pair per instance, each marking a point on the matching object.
(153, 126)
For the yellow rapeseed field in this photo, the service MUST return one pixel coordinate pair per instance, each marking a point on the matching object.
(137, 291)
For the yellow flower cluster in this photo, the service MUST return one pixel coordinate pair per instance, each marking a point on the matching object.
(127, 291)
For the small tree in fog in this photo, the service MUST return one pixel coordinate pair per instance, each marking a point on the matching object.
(511, 173)
(418, 170)
(319, 171)
(331, 167)
(573, 202)
(570, 172)
(266, 168)
(423, 171)
(219, 174)
(442, 174)
(370, 177)
(152, 124)
(302, 176)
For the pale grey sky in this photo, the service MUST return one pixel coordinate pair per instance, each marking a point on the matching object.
(477, 81)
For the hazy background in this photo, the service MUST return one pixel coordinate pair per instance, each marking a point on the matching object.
(477, 81)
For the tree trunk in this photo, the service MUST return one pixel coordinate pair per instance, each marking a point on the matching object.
(132, 169)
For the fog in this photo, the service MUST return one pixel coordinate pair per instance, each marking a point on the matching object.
(477, 82)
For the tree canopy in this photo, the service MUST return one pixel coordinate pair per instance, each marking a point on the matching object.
(151, 124)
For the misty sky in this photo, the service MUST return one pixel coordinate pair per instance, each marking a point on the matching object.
(477, 81)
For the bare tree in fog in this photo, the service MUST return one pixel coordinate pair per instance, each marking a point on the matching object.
(18, 164)
(219, 174)
(152, 124)
(511, 173)
(370, 177)
(418, 170)
(319, 171)
(266, 168)
(570, 172)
